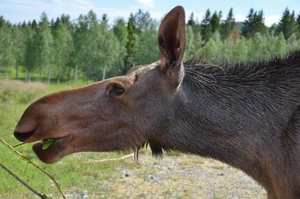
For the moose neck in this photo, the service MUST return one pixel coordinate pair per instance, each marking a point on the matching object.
(231, 121)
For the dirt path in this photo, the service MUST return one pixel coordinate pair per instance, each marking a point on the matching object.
(182, 176)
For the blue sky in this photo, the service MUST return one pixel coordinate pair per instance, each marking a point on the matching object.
(19, 10)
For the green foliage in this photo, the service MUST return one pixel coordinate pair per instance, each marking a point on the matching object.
(293, 43)
(190, 44)
(240, 51)
(6, 46)
(131, 46)
(145, 28)
(215, 22)
(147, 47)
(211, 50)
(120, 31)
(63, 47)
(253, 24)
(95, 46)
(287, 24)
(194, 40)
(228, 25)
(206, 29)
(29, 49)
(91, 48)
(280, 46)
(143, 21)
(43, 46)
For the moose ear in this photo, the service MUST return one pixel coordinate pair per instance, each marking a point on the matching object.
(171, 42)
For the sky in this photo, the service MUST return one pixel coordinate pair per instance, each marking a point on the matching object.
(17, 11)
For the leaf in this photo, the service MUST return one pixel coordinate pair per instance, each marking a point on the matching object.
(47, 143)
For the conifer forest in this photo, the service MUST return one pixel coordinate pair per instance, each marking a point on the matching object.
(59, 49)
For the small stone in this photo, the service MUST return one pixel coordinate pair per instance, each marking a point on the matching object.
(151, 177)
(220, 173)
(124, 174)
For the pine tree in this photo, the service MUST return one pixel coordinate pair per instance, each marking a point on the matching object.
(33, 25)
(228, 25)
(142, 21)
(191, 21)
(253, 24)
(206, 29)
(131, 46)
(2, 21)
(65, 19)
(196, 42)
(287, 24)
(120, 31)
(215, 22)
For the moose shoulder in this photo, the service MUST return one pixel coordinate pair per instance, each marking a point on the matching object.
(246, 115)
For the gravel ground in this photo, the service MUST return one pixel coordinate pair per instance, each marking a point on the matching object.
(177, 176)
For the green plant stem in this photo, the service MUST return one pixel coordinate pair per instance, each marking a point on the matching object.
(39, 168)
(19, 144)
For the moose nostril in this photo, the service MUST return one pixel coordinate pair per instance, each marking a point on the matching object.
(23, 136)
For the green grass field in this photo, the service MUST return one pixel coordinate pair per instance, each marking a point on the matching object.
(72, 173)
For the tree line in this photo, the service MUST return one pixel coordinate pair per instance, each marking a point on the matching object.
(58, 48)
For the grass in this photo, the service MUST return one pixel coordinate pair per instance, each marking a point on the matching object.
(16, 92)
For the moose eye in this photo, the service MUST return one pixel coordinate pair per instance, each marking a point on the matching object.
(116, 90)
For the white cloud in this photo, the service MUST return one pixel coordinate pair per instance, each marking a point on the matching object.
(146, 3)
(271, 19)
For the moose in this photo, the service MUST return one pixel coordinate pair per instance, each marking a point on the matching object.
(246, 114)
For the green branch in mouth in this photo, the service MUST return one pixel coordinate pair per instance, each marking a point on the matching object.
(47, 143)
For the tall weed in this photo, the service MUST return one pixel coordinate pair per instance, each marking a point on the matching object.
(14, 91)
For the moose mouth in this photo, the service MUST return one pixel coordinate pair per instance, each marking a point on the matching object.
(50, 150)
(48, 142)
